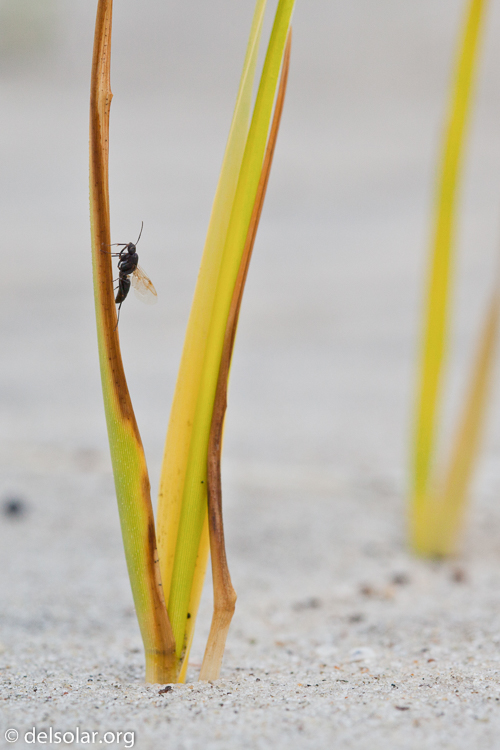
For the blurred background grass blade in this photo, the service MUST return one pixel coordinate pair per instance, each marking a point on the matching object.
(423, 515)
(452, 494)
(194, 500)
(223, 592)
(127, 455)
(190, 371)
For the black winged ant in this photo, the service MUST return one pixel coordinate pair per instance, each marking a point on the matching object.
(131, 274)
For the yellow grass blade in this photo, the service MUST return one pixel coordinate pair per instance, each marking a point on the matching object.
(194, 499)
(224, 594)
(190, 371)
(452, 494)
(436, 323)
(127, 455)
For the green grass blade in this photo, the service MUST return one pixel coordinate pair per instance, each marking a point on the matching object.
(194, 497)
(190, 372)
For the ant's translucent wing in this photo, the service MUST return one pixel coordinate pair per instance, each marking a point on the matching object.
(143, 286)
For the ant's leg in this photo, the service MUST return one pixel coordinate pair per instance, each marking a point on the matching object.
(118, 317)
(119, 244)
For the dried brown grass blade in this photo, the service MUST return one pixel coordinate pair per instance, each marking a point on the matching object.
(224, 593)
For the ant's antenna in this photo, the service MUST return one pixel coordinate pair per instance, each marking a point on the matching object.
(139, 237)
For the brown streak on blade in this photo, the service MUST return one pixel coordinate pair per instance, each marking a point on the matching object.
(165, 634)
(100, 104)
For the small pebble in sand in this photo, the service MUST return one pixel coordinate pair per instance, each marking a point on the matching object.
(312, 602)
(14, 507)
(166, 689)
(356, 617)
(400, 579)
(361, 654)
(458, 575)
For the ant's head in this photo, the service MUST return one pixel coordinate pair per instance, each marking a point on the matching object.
(131, 248)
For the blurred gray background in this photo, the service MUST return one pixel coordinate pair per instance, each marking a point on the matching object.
(324, 367)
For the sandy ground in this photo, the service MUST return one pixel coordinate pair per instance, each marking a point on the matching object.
(341, 638)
